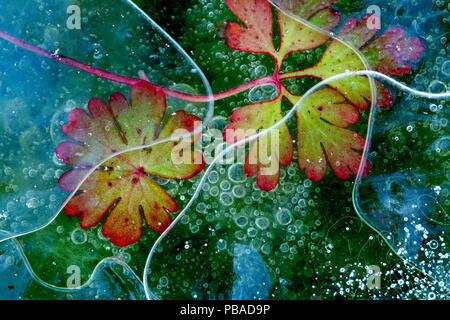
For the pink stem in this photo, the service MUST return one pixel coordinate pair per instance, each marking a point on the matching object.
(132, 81)
(221, 95)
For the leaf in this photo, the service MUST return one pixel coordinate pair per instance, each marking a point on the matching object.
(267, 151)
(257, 34)
(323, 119)
(296, 36)
(122, 187)
(322, 136)
(389, 52)
(386, 54)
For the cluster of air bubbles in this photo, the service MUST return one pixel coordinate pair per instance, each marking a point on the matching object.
(263, 92)
(433, 75)
(381, 281)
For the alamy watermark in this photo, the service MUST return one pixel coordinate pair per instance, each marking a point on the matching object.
(73, 22)
(74, 280)
(374, 21)
(374, 277)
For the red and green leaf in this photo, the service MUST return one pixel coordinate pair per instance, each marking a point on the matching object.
(387, 54)
(296, 36)
(322, 122)
(123, 188)
(256, 35)
(251, 119)
(323, 137)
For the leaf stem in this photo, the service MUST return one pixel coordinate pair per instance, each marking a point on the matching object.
(294, 74)
(132, 81)
(221, 95)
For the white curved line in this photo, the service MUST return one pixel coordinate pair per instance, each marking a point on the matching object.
(91, 279)
(209, 92)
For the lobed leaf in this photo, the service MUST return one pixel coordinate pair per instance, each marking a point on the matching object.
(123, 188)
(268, 151)
(257, 34)
(323, 137)
(386, 54)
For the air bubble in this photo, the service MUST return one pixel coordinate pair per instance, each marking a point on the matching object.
(214, 191)
(226, 199)
(225, 185)
(263, 92)
(32, 203)
(221, 244)
(251, 232)
(241, 221)
(213, 177)
(433, 244)
(265, 248)
(284, 216)
(446, 68)
(78, 236)
(443, 145)
(284, 247)
(236, 173)
(260, 71)
(9, 261)
(262, 223)
(238, 191)
(51, 33)
(194, 228)
(437, 86)
(163, 281)
(8, 171)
